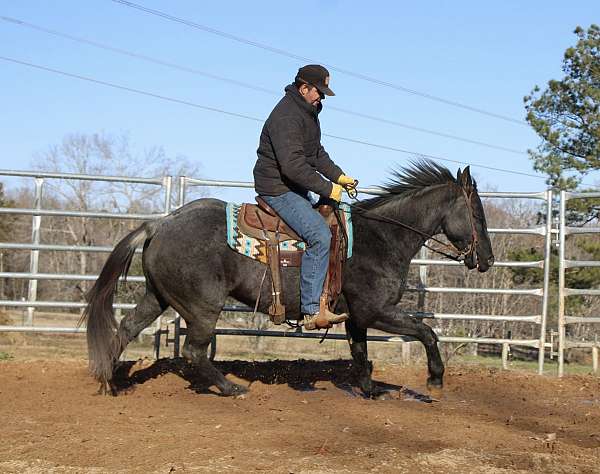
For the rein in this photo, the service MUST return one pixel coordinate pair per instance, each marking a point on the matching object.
(450, 248)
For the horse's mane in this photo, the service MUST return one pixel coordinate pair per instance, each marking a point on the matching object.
(409, 180)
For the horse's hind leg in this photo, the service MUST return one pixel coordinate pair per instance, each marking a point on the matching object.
(146, 311)
(199, 336)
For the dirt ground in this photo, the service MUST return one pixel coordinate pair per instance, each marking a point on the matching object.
(299, 417)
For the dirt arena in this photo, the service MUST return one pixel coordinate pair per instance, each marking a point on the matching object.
(299, 417)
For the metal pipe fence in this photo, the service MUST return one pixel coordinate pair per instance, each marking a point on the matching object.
(565, 320)
(38, 211)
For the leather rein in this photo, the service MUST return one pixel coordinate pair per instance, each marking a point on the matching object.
(460, 255)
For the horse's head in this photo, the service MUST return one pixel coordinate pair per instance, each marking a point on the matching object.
(465, 226)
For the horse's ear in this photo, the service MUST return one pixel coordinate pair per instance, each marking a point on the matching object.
(465, 179)
(458, 176)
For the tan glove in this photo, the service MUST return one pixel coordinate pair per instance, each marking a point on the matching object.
(336, 192)
(345, 180)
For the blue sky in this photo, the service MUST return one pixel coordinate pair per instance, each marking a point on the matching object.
(486, 55)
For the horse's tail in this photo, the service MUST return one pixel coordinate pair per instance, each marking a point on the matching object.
(104, 347)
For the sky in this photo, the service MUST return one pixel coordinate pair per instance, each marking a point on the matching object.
(486, 55)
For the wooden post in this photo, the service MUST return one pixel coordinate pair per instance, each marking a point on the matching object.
(406, 352)
(505, 348)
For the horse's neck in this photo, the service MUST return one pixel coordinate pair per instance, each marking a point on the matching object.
(424, 211)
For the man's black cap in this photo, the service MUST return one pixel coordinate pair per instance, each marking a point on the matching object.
(317, 76)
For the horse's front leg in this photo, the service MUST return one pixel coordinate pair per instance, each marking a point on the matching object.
(357, 338)
(395, 322)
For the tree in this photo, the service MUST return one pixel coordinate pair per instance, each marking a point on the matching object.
(566, 115)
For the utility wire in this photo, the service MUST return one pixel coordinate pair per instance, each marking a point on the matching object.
(304, 59)
(249, 86)
(255, 119)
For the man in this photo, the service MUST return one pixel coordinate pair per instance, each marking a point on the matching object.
(291, 162)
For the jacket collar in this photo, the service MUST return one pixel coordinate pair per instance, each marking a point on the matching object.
(292, 92)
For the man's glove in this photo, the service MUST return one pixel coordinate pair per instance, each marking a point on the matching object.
(346, 180)
(349, 184)
(336, 192)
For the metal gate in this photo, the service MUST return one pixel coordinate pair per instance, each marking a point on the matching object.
(564, 320)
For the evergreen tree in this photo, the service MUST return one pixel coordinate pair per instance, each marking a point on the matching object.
(566, 115)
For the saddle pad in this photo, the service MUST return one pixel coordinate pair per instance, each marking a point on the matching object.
(256, 248)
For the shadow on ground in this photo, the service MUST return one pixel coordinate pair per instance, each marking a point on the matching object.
(301, 375)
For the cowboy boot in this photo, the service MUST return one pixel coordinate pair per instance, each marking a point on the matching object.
(324, 319)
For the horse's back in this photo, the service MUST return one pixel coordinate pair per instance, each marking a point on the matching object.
(190, 237)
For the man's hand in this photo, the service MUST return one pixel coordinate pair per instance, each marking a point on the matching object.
(336, 192)
(346, 180)
(349, 184)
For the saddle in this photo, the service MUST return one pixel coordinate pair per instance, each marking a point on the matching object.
(263, 223)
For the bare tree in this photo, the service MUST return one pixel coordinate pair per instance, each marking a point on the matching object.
(107, 155)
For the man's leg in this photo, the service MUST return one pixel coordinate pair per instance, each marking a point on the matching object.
(299, 214)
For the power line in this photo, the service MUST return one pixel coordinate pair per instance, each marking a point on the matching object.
(298, 57)
(187, 69)
(255, 119)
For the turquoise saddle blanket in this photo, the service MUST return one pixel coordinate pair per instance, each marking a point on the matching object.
(254, 248)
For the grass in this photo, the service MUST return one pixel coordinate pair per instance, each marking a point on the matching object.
(5, 356)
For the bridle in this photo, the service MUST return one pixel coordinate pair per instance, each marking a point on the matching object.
(449, 250)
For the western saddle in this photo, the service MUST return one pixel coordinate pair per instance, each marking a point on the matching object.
(262, 222)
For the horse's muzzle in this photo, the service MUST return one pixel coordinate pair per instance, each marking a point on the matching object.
(483, 265)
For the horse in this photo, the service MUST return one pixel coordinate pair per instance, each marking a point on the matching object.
(188, 266)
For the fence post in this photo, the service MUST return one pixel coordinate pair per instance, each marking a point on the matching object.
(36, 224)
(505, 349)
(595, 359)
(182, 191)
(167, 184)
(561, 284)
(545, 296)
(422, 279)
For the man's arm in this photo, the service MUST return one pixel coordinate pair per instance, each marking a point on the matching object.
(287, 140)
(326, 166)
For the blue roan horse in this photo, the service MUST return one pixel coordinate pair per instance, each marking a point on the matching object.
(189, 266)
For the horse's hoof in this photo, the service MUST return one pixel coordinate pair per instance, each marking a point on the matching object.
(235, 390)
(383, 395)
(435, 383)
(107, 388)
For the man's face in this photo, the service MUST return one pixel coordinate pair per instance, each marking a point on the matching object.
(311, 94)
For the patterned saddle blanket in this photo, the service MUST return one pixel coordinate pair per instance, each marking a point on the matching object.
(290, 250)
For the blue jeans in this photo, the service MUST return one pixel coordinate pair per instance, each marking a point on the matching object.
(298, 213)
